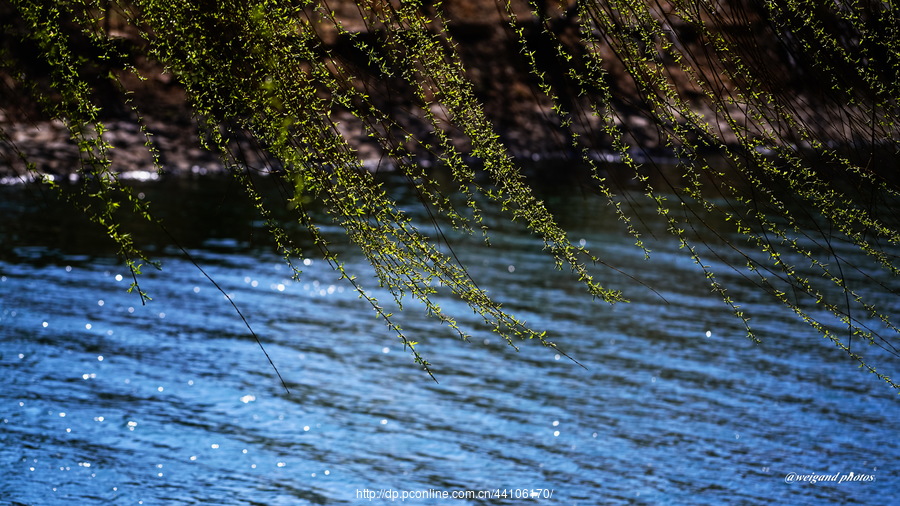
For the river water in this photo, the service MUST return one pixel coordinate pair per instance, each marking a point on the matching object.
(110, 401)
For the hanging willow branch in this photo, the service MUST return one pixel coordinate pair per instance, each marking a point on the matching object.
(782, 116)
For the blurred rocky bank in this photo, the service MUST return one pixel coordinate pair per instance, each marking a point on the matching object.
(502, 78)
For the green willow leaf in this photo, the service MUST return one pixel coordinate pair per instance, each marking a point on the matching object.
(776, 114)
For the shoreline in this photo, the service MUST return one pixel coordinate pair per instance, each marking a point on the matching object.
(524, 118)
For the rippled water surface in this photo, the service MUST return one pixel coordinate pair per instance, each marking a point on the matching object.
(106, 400)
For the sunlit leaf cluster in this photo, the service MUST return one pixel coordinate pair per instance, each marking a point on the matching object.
(781, 116)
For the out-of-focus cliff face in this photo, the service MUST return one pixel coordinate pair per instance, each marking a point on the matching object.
(504, 82)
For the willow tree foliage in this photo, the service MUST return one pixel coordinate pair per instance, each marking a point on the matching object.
(781, 116)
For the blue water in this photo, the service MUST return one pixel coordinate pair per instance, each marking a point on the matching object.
(107, 400)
